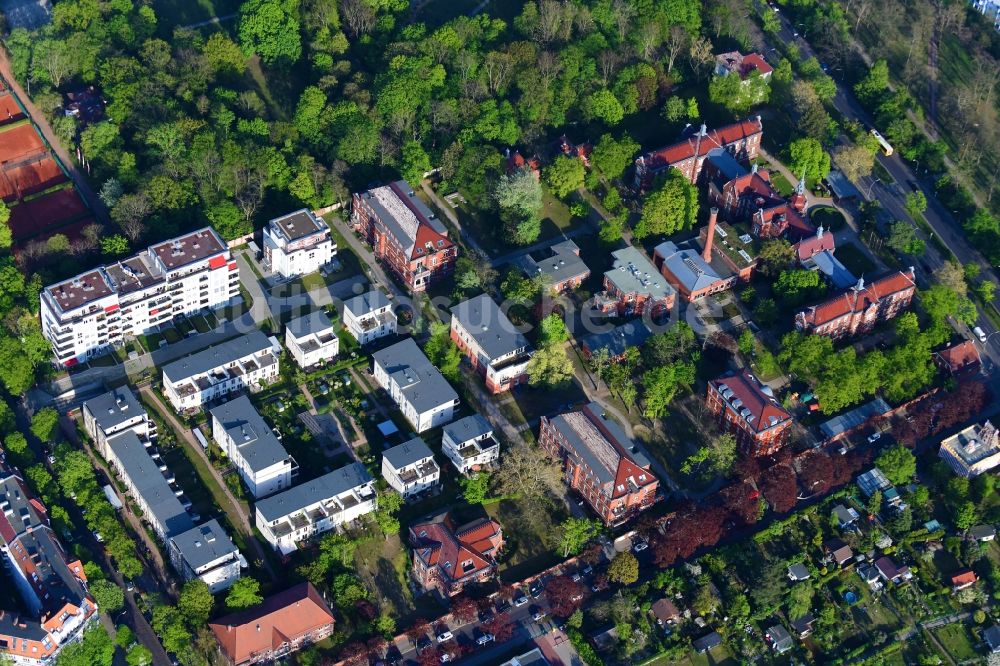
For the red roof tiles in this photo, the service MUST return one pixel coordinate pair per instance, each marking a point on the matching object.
(685, 149)
(960, 356)
(751, 396)
(856, 301)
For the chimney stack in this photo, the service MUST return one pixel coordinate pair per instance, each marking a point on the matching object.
(706, 254)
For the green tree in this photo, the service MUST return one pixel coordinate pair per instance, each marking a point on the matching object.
(552, 331)
(223, 55)
(916, 204)
(898, 464)
(903, 239)
(415, 163)
(5, 233)
(800, 600)
(442, 352)
(138, 655)
(519, 198)
(109, 597)
(965, 516)
(476, 487)
(604, 106)
(270, 28)
(15, 445)
(798, 285)
(96, 649)
(661, 384)
(747, 343)
(518, 288)
(986, 290)
(576, 533)
(195, 603)
(671, 207)
(776, 256)
(809, 158)
(385, 624)
(45, 424)
(855, 162)
(114, 245)
(124, 636)
(244, 593)
(716, 457)
(874, 505)
(565, 175)
(550, 367)
(386, 515)
(611, 156)
(871, 88)
(624, 569)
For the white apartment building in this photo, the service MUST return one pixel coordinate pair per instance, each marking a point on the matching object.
(425, 397)
(113, 413)
(207, 553)
(297, 244)
(311, 339)
(369, 317)
(314, 507)
(246, 362)
(256, 452)
(88, 315)
(495, 348)
(409, 468)
(973, 451)
(469, 444)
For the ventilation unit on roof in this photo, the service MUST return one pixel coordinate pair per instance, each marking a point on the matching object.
(737, 403)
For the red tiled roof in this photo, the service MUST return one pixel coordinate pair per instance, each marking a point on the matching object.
(960, 355)
(439, 543)
(854, 301)
(750, 393)
(426, 234)
(756, 61)
(685, 149)
(964, 577)
(813, 245)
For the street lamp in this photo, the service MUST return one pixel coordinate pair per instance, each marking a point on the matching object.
(872, 186)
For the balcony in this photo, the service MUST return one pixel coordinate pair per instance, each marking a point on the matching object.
(417, 472)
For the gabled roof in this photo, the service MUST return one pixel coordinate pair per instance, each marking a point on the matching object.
(421, 383)
(707, 642)
(114, 407)
(960, 355)
(687, 266)
(665, 610)
(964, 577)
(716, 138)
(407, 453)
(859, 298)
(752, 400)
(811, 245)
(835, 272)
(618, 339)
(440, 544)
(888, 568)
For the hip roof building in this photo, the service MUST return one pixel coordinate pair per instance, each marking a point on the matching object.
(297, 244)
(860, 308)
(415, 385)
(633, 286)
(747, 408)
(494, 347)
(369, 317)
(741, 140)
(255, 450)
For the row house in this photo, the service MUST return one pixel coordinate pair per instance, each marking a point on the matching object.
(600, 462)
(633, 287)
(92, 313)
(311, 340)
(419, 389)
(741, 140)
(409, 468)
(369, 316)
(206, 553)
(298, 243)
(858, 310)
(253, 447)
(489, 340)
(747, 409)
(448, 557)
(315, 507)
(404, 234)
(282, 624)
(56, 607)
(245, 362)
(470, 444)
(114, 413)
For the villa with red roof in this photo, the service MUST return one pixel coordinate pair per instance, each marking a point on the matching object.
(601, 463)
(447, 557)
(735, 62)
(959, 358)
(741, 140)
(404, 234)
(861, 307)
(747, 409)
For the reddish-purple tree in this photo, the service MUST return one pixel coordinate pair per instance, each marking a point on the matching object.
(464, 609)
(354, 654)
(742, 501)
(815, 472)
(564, 595)
(779, 488)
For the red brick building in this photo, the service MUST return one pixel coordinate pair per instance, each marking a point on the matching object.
(747, 409)
(446, 557)
(860, 308)
(741, 140)
(405, 234)
(600, 462)
(633, 286)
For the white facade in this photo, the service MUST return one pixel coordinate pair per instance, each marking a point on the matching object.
(426, 399)
(314, 507)
(256, 452)
(297, 244)
(114, 413)
(973, 451)
(246, 362)
(410, 468)
(369, 317)
(469, 444)
(88, 315)
(311, 339)
(207, 553)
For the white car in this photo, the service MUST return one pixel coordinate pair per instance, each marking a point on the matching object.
(640, 546)
(484, 639)
(446, 657)
(521, 600)
(538, 615)
(445, 636)
(874, 437)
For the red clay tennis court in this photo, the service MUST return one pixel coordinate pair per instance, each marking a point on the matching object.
(30, 218)
(29, 177)
(18, 142)
(9, 110)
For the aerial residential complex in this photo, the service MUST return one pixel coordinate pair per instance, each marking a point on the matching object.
(634, 287)
(297, 244)
(973, 451)
(405, 234)
(49, 580)
(409, 468)
(415, 385)
(748, 409)
(314, 507)
(246, 362)
(469, 444)
(559, 266)
(255, 450)
(311, 340)
(496, 349)
(600, 462)
(369, 317)
(88, 315)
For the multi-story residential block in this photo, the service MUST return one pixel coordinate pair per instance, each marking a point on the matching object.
(113, 413)
(496, 349)
(369, 317)
(255, 450)
(447, 557)
(973, 451)
(633, 286)
(469, 444)
(314, 507)
(741, 140)
(409, 468)
(207, 553)
(860, 308)
(297, 244)
(246, 362)
(559, 266)
(600, 462)
(285, 623)
(422, 393)
(311, 339)
(405, 234)
(90, 314)
(747, 408)
(55, 605)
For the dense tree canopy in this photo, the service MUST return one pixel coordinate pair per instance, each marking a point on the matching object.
(671, 207)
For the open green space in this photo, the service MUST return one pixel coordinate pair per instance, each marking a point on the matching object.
(957, 640)
(855, 260)
(173, 13)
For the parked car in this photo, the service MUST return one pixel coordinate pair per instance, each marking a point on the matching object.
(484, 639)
(640, 546)
(520, 599)
(503, 606)
(98, 537)
(423, 643)
(874, 437)
(536, 589)
(445, 636)
(587, 570)
(538, 614)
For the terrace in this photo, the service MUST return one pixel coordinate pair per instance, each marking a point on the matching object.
(417, 472)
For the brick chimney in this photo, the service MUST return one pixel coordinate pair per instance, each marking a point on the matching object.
(706, 254)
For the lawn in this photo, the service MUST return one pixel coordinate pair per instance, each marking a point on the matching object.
(831, 218)
(530, 533)
(957, 640)
(718, 656)
(855, 260)
(171, 13)
(781, 184)
(384, 564)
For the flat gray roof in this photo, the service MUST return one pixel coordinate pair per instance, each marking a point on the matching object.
(311, 324)
(298, 224)
(114, 407)
(634, 273)
(254, 438)
(204, 544)
(468, 428)
(328, 486)
(363, 304)
(423, 384)
(148, 481)
(189, 248)
(217, 355)
(561, 263)
(483, 319)
(407, 453)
